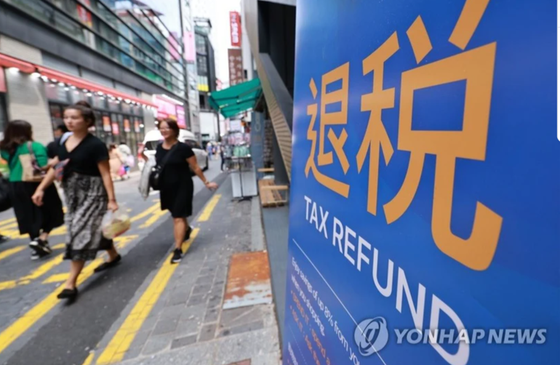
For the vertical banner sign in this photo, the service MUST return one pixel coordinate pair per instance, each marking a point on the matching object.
(190, 50)
(425, 199)
(235, 59)
(235, 28)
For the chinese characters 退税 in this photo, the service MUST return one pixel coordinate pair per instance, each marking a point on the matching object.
(475, 68)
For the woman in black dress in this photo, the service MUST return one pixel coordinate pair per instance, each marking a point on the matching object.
(35, 221)
(89, 192)
(176, 185)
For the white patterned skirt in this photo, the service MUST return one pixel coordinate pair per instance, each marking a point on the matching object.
(86, 203)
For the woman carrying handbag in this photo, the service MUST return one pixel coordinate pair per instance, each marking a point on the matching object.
(172, 177)
(27, 161)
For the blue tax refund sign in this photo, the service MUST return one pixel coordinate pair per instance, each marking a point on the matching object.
(425, 204)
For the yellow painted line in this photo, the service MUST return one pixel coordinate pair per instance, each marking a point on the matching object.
(43, 269)
(8, 284)
(38, 272)
(8, 226)
(145, 213)
(209, 208)
(119, 241)
(89, 359)
(11, 251)
(120, 343)
(22, 324)
(154, 218)
(56, 278)
(7, 221)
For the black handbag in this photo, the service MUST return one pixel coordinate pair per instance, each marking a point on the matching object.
(5, 199)
(155, 174)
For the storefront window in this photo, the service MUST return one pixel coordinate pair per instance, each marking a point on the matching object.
(58, 93)
(116, 121)
(77, 95)
(57, 116)
(125, 108)
(98, 102)
(115, 106)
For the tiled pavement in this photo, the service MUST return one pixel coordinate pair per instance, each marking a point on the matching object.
(187, 325)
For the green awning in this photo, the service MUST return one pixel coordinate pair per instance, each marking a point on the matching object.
(236, 99)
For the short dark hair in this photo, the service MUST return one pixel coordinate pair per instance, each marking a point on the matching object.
(172, 124)
(62, 128)
(85, 110)
(16, 133)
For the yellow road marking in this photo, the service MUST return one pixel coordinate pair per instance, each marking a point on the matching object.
(145, 213)
(11, 251)
(120, 343)
(7, 285)
(154, 218)
(7, 221)
(8, 226)
(57, 278)
(46, 267)
(13, 233)
(209, 208)
(35, 273)
(22, 324)
(89, 359)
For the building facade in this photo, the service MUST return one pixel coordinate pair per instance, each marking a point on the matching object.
(117, 55)
(270, 26)
(207, 81)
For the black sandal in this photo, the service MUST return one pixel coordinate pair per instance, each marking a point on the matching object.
(68, 294)
(108, 265)
(188, 233)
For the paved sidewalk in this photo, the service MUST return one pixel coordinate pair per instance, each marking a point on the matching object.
(187, 324)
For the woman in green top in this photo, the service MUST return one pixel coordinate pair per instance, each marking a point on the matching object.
(35, 221)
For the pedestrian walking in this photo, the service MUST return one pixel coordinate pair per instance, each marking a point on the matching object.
(115, 162)
(89, 192)
(128, 159)
(52, 147)
(209, 150)
(26, 161)
(222, 157)
(175, 182)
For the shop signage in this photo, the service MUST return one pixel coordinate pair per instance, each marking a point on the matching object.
(136, 126)
(106, 124)
(127, 125)
(181, 117)
(235, 125)
(2, 81)
(175, 48)
(235, 66)
(115, 128)
(235, 28)
(190, 50)
(83, 14)
(424, 199)
(165, 108)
